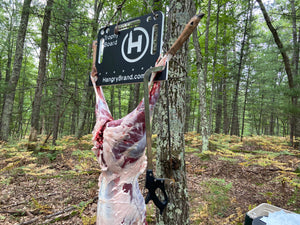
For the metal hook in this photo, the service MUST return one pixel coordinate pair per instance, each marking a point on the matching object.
(152, 183)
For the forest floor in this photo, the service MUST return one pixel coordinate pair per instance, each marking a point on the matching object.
(59, 184)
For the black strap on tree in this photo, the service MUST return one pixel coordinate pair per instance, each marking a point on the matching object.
(152, 183)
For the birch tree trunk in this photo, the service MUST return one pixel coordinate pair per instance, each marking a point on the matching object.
(36, 105)
(13, 81)
(202, 89)
(177, 211)
(205, 65)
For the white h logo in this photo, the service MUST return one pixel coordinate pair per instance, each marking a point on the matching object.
(135, 44)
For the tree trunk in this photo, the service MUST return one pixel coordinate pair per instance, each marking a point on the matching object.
(260, 125)
(235, 113)
(8, 63)
(206, 41)
(75, 109)
(249, 71)
(87, 94)
(61, 81)
(112, 100)
(202, 89)
(286, 61)
(245, 102)
(214, 71)
(188, 104)
(13, 81)
(177, 211)
(136, 94)
(119, 102)
(9, 44)
(224, 87)
(130, 101)
(36, 105)
(219, 107)
(296, 46)
(21, 102)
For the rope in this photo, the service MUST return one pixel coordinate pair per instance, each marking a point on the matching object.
(149, 6)
(119, 9)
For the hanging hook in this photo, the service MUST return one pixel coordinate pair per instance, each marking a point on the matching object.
(119, 8)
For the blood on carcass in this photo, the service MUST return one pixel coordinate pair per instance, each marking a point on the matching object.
(120, 149)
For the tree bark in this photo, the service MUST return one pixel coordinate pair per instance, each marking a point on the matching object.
(177, 211)
(13, 81)
(36, 105)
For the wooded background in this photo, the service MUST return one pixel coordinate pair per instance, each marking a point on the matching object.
(242, 78)
(237, 75)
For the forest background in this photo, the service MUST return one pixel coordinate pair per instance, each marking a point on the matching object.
(236, 79)
(44, 88)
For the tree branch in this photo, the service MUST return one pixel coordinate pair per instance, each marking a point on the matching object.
(285, 57)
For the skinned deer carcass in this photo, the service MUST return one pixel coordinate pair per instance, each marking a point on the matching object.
(120, 149)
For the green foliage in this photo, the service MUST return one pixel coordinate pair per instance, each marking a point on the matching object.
(50, 155)
(268, 82)
(216, 196)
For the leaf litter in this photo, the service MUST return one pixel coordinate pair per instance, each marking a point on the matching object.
(59, 184)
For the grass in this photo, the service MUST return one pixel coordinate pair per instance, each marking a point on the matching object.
(264, 157)
(216, 198)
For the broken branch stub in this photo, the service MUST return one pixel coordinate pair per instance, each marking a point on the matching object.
(188, 30)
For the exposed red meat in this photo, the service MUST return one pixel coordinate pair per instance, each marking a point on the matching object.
(120, 149)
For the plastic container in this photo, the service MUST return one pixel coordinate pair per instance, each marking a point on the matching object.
(262, 210)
